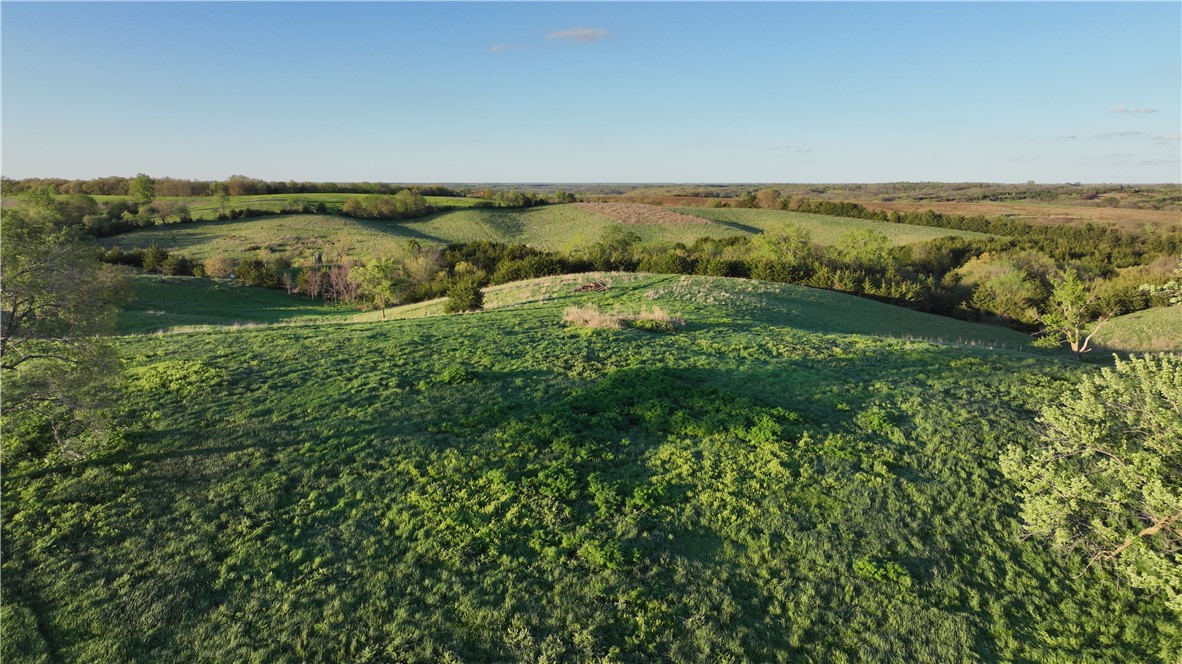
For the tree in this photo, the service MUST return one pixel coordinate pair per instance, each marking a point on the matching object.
(1106, 481)
(56, 303)
(142, 189)
(768, 198)
(381, 281)
(1069, 315)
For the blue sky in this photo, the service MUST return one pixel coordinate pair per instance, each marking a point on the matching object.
(595, 92)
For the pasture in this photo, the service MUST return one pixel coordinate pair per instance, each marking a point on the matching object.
(766, 484)
(551, 227)
(1149, 330)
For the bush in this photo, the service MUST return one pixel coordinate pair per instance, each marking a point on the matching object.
(153, 259)
(177, 265)
(219, 267)
(257, 272)
(531, 267)
(464, 296)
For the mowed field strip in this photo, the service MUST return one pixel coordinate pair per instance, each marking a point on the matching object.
(553, 227)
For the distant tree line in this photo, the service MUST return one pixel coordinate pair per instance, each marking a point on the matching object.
(235, 185)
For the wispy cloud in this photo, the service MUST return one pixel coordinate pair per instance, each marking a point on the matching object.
(1120, 134)
(579, 35)
(1122, 109)
(499, 48)
(1170, 137)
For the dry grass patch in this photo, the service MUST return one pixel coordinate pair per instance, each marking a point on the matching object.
(652, 320)
(640, 215)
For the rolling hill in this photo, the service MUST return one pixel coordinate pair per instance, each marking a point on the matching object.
(786, 478)
(551, 227)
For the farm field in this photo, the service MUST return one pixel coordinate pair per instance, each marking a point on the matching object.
(1041, 213)
(766, 484)
(552, 227)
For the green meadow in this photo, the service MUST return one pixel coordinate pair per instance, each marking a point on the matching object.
(1149, 330)
(550, 227)
(794, 475)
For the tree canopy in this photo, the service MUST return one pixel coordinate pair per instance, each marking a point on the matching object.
(56, 300)
(1106, 480)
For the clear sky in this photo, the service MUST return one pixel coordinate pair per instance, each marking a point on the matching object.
(595, 92)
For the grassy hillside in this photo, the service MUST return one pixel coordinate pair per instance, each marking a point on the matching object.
(553, 227)
(164, 303)
(499, 487)
(1158, 329)
(824, 229)
(172, 303)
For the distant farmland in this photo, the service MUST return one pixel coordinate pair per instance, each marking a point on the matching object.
(553, 227)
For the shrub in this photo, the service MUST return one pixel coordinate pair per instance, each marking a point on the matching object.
(219, 267)
(464, 295)
(177, 265)
(153, 259)
(256, 272)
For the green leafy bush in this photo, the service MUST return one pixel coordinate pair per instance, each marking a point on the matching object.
(464, 295)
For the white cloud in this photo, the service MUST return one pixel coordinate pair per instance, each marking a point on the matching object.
(579, 35)
(1122, 109)
(498, 48)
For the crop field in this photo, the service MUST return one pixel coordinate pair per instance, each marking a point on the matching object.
(766, 484)
(552, 227)
(1041, 213)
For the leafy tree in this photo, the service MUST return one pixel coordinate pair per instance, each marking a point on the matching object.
(142, 189)
(1069, 316)
(1106, 482)
(863, 249)
(56, 302)
(381, 281)
(768, 198)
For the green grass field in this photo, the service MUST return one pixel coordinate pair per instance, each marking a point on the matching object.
(180, 303)
(1158, 329)
(776, 482)
(167, 303)
(824, 229)
(553, 227)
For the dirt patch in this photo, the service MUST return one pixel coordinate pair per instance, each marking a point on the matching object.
(637, 214)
